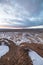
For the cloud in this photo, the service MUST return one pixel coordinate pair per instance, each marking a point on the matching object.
(33, 6)
(8, 14)
(21, 13)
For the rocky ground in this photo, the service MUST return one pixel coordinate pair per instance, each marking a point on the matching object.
(26, 50)
(19, 37)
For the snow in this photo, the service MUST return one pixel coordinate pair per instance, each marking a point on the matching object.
(19, 37)
(3, 50)
(36, 59)
(23, 37)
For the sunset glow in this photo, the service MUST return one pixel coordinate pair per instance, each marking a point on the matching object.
(10, 27)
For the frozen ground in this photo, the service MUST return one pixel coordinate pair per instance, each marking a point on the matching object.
(18, 38)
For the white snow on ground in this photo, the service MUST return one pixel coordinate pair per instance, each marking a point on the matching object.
(19, 37)
(36, 59)
(3, 50)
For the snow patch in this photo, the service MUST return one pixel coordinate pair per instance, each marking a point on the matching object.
(3, 50)
(36, 59)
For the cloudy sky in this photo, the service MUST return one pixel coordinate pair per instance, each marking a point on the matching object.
(21, 12)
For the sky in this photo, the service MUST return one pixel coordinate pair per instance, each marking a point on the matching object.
(21, 13)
